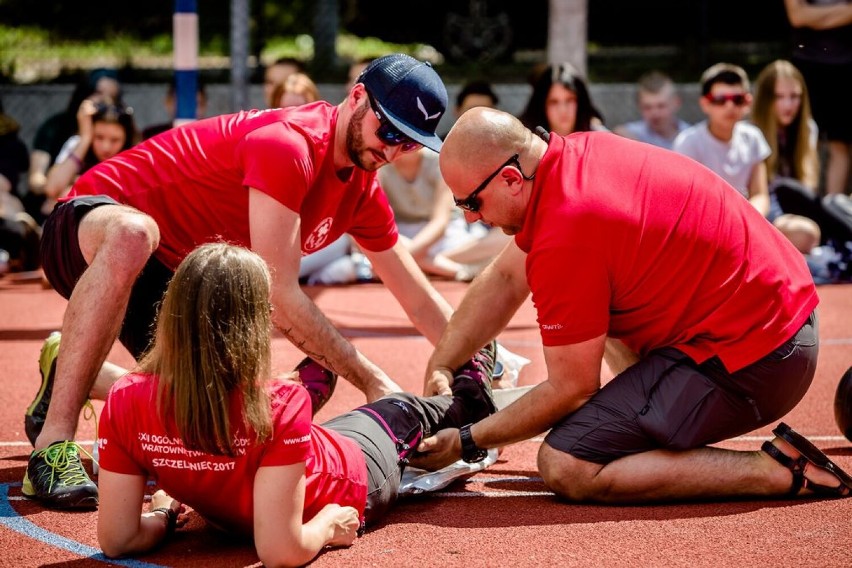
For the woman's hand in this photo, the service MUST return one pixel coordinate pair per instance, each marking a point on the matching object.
(87, 110)
(162, 500)
(344, 523)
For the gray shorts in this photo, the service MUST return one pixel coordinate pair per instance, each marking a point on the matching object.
(667, 401)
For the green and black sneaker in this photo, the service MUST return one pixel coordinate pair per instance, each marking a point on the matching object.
(56, 477)
(37, 410)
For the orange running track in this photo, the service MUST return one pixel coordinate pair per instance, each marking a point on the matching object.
(500, 516)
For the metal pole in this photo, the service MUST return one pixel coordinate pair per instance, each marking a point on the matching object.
(239, 54)
(185, 32)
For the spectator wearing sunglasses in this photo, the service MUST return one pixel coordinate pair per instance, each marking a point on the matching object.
(284, 182)
(644, 258)
(726, 143)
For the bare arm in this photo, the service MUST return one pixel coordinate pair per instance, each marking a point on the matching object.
(488, 305)
(804, 15)
(37, 177)
(275, 236)
(62, 175)
(121, 529)
(280, 536)
(425, 307)
(442, 210)
(758, 189)
(573, 377)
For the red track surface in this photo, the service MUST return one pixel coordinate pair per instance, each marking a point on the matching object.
(501, 516)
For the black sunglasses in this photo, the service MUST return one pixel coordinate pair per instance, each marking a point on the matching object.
(471, 202)
(719, 100)
(388, 133)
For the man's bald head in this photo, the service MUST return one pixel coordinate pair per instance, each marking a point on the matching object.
(478, 142)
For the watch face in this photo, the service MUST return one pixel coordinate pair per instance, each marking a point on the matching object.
(477, 456)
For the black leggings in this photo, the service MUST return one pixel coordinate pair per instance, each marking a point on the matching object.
(389, 430)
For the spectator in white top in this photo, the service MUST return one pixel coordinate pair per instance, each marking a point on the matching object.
(724, 142)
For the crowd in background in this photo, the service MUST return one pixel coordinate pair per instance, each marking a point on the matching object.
(785, 147)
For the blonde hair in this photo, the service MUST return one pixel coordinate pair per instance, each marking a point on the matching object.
(299, 84)
(213, 339)
(803, 158)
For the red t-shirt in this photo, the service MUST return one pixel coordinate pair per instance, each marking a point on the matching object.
(650, 247)
(133, 440)
(194, 179)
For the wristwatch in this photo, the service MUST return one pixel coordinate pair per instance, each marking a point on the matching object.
(471, 453)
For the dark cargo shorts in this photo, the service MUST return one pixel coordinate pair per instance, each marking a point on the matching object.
(667, 401)
(64, 264)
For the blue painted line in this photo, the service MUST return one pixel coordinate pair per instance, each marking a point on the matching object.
(11, 519)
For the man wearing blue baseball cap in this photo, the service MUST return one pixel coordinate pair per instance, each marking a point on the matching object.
(407, 96)
(283, 182)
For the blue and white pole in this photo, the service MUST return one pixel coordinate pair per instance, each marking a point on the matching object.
(185, 31)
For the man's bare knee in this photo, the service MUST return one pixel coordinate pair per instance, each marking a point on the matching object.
(567, 476)
(122, 236)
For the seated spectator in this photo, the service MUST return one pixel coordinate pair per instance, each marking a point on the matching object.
(560, 102)
(297, 89)
(170, 104)
(355, 69)
(489, 241)
(724, 142)
(782, 111)
(19, 232)
(294, 487)
(658, 102)
(473, 94)
(14, 158)
(425, 214)
(276, 73)
(104, 129)
(55, 131)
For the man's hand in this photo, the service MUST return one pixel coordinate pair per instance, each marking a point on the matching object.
(439, 382)
(438, 451)
(380, 389)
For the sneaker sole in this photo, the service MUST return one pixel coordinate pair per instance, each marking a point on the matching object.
(64, 501)
(33, 417)
(49, 352)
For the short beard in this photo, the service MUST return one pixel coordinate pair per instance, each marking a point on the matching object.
(354, 139)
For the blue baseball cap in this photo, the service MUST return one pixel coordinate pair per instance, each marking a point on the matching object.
(410, 94)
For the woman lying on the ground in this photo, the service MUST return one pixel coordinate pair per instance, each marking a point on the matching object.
(198, 417)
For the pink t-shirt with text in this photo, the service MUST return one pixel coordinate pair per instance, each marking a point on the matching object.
(132, 439)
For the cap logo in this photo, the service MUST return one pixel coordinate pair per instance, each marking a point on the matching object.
(426, 114)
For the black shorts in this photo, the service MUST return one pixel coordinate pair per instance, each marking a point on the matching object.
(64, 264)
(667, 401)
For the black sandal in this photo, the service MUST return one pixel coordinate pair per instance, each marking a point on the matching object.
(809, 454)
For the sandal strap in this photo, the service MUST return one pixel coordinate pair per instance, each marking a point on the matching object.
(796, 466)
